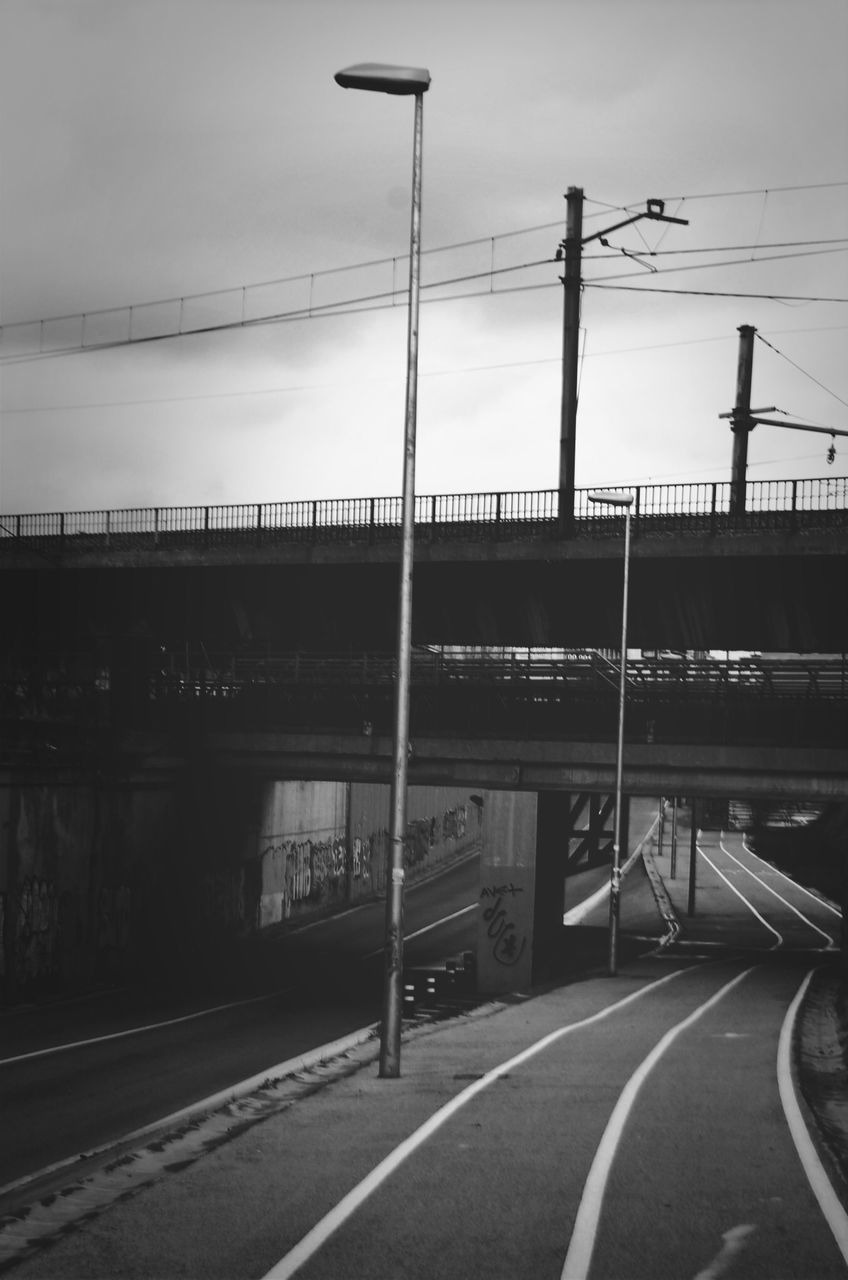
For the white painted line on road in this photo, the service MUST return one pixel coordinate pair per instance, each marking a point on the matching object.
(822, 1188)
(309, 1245)
(435, 925)
(372, 902)
(583, 909)
(135, 1031)
(741, 895)
(580, 1250)
(830, 941)
(816, 897)
(311, 1058)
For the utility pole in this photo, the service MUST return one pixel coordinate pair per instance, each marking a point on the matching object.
(693, 854)
(573, 247)
(741, 423)
(743, 419)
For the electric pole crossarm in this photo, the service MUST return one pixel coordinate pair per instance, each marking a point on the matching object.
(799, 426)
(649, 213)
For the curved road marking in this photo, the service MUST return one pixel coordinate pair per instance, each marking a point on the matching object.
(578, 913)
(135, 1031)
(347, 1206)
(822, 1188)
(748, 904)
(579, 1256)
(823, 902)
(831, 941)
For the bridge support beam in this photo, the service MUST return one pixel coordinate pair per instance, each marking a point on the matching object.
(587, 828)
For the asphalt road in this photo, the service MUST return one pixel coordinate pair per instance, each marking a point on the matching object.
(637, 1128)
(136, 1056)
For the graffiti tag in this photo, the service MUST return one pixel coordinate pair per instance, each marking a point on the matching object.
(508, 945)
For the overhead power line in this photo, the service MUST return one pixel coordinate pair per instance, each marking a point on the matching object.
(308, 281)
(728, 262)
(712, 293)
(773, 348)
(755, 191)
(377, 301)
(721, 248)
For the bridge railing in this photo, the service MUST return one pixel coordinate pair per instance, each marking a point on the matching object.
(657, 508)
(533, 671)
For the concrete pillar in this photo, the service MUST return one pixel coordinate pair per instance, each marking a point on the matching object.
(553, 831)
(507, 892)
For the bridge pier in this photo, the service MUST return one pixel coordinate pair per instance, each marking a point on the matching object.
(529, 841)
(507, 892)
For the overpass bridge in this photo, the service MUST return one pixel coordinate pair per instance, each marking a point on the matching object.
(490, 569)
(539, 721)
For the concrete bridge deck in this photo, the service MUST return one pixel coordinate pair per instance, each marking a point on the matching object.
(490, 569)
(747, 728)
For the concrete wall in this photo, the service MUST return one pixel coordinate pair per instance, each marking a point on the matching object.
(302, 849)
(103, 881)
(507, 891)
(323, 845)
(88, 883)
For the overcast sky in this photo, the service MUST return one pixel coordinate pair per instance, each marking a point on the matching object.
(155, 150)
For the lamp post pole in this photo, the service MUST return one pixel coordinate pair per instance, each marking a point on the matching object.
(624, 500)
(401, 81)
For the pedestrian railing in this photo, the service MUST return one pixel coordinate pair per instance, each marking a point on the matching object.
(657, 509)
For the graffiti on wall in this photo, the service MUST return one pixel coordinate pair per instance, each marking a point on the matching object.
(425, 834)
(300, 870)
(361, 861)
(455, 823)
(507, 943)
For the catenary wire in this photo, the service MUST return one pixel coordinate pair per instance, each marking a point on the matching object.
(772, 347)
(379, 301)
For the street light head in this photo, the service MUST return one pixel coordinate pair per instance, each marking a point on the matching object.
(610, 498)
(380, 78)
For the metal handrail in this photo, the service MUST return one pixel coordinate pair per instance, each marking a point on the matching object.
(761, 676)
(699, 506)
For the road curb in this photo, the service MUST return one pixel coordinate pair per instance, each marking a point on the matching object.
(662, 898)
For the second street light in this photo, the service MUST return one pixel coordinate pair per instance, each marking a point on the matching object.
(625, 500)
(407, 81)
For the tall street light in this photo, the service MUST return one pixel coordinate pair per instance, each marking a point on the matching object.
(625, 500)
(377, 78)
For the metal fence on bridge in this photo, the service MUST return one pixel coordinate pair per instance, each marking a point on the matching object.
(657, 509)
(789, 699)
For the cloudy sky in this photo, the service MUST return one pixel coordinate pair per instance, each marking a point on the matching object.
(197, 155)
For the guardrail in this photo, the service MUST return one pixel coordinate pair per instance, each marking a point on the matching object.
(534, 672)
(189, 673)
(702, 507)
(795, 702)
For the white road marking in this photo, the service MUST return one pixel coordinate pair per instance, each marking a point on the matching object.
(734, 1243)
(135, 1031)
(748, 904)
(314, 1239)
(829, 1202)
(427, 927)
(583, 1237)
(583, 909)
(830, 941)
(303, 1062)
(816, 897)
